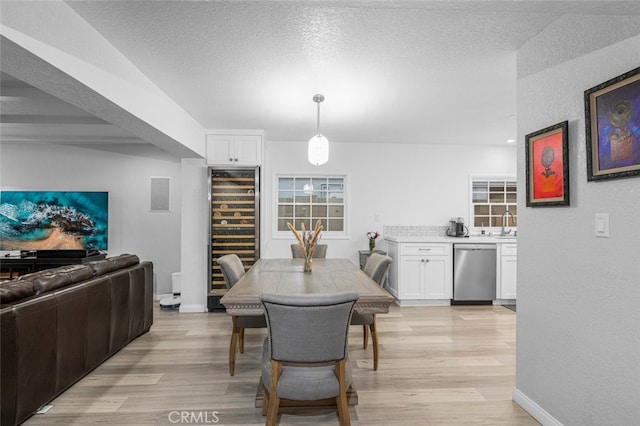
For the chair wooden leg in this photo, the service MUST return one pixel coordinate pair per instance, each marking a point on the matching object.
(274, 400)
(365, 336)
(242, 340)
(265, 400)
(374, 342)
(232, 348)
(341, 399)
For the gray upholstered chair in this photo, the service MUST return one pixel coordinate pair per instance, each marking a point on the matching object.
(377, 267)
(305, 354)
(319, 252)
(232, 270)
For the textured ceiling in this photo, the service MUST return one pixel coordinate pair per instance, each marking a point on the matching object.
(391, 71)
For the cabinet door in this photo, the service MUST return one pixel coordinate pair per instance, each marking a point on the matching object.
(437, 278)
(411, 277)
(508, 276)
(220, 149)
(248, 150)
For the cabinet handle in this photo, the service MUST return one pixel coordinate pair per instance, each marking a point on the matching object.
(424, 249)
(230, 159)
(235, 159)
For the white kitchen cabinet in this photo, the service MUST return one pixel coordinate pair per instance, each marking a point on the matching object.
(421, 273)
(234, 150)
(507, 266)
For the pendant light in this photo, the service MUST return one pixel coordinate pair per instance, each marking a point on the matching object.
(318, 145)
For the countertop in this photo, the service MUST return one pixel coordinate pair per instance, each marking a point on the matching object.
(474, 239)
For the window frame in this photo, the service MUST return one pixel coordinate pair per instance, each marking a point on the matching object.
(490, 178)
(330, 235)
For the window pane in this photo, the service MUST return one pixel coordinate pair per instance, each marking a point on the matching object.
(480, 197)
(301, 182)
(512, 198)
(303, 211)
(285, 210)
(496, 198)
(285, 197)
(480, 221)
(301, 197)
(336, 211)
(336, 225)
(319, 211)
(496, 187)
(481, 210)
(336, 197)
(285, 183)
(497, 210)
(323, 221)
(319, 184)
(282, 224)
(320, 197)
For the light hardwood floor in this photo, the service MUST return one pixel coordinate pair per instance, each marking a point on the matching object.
(438, 366)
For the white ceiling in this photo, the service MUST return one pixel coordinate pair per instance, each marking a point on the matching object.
(440, 71)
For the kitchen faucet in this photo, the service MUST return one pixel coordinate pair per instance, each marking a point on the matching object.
(504, 215)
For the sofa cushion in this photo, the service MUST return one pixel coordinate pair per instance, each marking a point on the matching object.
(77, 273)
(15, 290)
(101, 267)
(49, 282)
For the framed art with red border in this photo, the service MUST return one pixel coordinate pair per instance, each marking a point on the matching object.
(612, 118)
(547, 158)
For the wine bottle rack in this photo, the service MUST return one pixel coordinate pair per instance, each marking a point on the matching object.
(234, 223)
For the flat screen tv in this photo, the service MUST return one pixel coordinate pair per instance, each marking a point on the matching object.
(48, 220)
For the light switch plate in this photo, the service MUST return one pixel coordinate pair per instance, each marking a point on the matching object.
(602, 225)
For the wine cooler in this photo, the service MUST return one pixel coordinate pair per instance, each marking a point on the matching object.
(234, 223)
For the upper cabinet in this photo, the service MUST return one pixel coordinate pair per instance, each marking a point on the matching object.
(234, 149)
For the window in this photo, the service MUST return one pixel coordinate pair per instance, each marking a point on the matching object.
(490, 198)
(307, 199)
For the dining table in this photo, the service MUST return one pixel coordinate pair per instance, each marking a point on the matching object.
(286, 276)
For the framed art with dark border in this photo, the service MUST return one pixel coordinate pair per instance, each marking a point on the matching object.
(612, 117)
(547, 158)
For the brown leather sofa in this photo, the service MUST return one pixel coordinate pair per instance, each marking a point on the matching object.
(59, 324)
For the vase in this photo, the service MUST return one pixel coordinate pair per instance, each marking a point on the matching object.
(307, 264)
(372, 244)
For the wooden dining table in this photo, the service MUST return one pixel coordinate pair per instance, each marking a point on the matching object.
(285, 276)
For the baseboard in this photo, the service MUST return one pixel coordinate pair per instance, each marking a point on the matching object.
(531, 407)
(192, 308)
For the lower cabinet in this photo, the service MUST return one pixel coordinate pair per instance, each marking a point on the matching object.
(507, 278)
(421, 274)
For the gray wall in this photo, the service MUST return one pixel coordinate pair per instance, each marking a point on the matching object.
(124, 171)
(578, 345)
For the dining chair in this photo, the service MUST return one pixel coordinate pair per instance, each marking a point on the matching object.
(377, 268)
(319, 252)
(305, 353)
(232, 270)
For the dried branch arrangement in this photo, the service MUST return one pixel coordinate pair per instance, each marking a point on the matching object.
(307, 239)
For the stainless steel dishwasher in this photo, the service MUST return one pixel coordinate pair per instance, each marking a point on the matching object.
(474, 272)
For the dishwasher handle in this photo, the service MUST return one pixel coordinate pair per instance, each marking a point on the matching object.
(475, 247)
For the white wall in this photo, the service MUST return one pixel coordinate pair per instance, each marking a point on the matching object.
(578, 346)
(402, 184)
(125, 173)
(390, 184)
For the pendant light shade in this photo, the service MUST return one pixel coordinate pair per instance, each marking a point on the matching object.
(318, 145)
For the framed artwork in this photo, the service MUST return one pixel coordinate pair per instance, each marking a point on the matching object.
(547, 157)
(612, 116)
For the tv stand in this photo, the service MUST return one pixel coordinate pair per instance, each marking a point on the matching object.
(33, 261)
